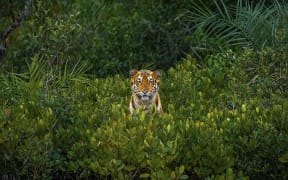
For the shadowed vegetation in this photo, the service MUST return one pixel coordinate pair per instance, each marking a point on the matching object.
(65, 91)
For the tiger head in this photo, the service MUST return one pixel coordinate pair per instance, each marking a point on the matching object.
(144, 83)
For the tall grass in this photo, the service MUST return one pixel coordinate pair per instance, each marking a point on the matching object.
(40, 76)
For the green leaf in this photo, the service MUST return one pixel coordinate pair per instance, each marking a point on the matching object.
(181, 169)
(144, 175)
(184, 177)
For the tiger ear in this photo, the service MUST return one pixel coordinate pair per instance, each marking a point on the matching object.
(132, 72)
(157, 73)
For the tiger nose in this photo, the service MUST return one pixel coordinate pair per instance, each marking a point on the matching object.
(145, 92)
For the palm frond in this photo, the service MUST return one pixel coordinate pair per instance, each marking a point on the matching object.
(242, 25)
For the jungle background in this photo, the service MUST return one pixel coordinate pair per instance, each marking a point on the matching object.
(65, 89)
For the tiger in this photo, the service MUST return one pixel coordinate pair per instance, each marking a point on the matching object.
(144, 87)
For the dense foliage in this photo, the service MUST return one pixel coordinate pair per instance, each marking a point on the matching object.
(220, 121)
(64, 90)
(114, 36)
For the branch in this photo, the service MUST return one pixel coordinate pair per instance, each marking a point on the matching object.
(12, 27)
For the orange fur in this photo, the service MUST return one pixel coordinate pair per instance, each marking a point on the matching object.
(144, 86)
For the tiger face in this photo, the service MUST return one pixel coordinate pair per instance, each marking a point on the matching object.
(144, 83)
(144, 87)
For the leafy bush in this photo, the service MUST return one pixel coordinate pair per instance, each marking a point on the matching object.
(113, 36)
(219, 122)
(106, 34)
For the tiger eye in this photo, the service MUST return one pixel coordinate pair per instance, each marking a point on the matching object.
(139, 80)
